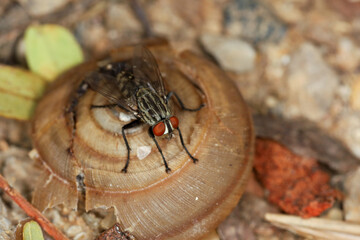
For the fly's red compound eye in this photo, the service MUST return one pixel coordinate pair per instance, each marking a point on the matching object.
(159, 129)
(174, 122)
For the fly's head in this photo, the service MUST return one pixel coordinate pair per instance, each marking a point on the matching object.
(166, 127)
(168, 123)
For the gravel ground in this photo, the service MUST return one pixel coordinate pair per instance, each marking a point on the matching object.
(290, 59)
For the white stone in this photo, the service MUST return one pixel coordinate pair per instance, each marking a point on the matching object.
(42, 7)
(143, 151)
(347, 57)
(232, 54)
(74, 230)
(311, 84)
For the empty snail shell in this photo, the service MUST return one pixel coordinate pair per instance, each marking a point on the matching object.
(186, 203)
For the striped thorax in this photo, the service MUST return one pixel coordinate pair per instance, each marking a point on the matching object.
(155, 111)
(152, 108)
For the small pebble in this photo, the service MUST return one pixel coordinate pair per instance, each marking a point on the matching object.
(347, 57)
(93, 36)
(42, 7)
(81, 236)
(143, 151)
(232, 54)
(122, 23)
(348, 130)
(334, 214)
(311, 84)
(252, 20)
(73, 231)
(289, 11)
(352, 197)
(5, 226)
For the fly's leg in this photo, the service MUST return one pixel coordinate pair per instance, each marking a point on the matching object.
(71, 109)
(170, 94)
(186, 109)
(132, 124)
(167, 169)
(183, 144)
(104, 106)
(112, 105)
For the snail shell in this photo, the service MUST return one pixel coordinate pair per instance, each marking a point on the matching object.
(186, 203)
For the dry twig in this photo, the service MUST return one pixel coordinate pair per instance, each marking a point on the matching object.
(31, 211)
(316, 228)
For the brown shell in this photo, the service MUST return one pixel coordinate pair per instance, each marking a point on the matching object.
(149, 203)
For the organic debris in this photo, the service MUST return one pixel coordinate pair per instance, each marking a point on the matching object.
(115, 233)
(296, 184)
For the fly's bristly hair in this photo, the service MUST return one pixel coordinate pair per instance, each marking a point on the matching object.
(134, 85)
(137, 87)
(152, 106)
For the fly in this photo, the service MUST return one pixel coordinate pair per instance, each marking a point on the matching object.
(137, 87)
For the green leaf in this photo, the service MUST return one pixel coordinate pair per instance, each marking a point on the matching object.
(19, 92)
(50, 50)
(32, 231)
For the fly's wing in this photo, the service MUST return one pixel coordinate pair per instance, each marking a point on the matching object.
(115, 89)
(146, 70)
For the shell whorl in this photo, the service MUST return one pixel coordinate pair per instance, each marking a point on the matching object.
(151, 204)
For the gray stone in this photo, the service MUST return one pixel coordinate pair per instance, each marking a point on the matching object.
(6, 231)
(6, 228)
(347, 128)
(311, 84)
(252, 20)
(122, 23)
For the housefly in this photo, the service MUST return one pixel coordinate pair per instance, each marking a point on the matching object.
(137, 87)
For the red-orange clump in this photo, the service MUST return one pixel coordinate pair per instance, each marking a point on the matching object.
(296, 184)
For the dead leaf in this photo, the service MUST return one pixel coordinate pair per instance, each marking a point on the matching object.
(19, 91)
(32, 231)
(51, 50)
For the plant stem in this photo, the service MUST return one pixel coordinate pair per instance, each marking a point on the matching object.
(31, 211)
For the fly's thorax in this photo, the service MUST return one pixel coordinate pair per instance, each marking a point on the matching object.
(152, 107)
